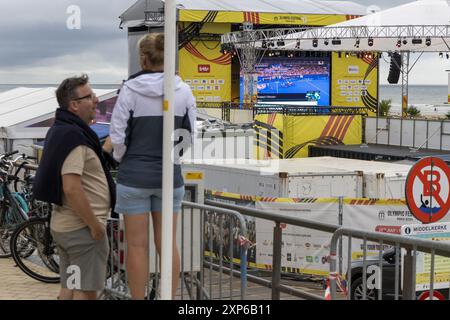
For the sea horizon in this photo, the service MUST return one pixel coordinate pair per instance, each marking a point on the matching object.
(426, 94)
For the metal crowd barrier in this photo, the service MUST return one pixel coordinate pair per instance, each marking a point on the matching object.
(204, 274)
(278, 219)
(412, 247)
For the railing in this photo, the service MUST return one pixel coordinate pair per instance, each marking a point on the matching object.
(305, 110)
(197, 267)
(414, 133)
(285, 109)
(275, 284)
(412, 245)
(198, 279)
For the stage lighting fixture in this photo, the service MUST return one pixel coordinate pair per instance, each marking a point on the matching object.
(336, 42)
(441, 55)
(326, 42)
(447, 55)
(357, 43)
(264, 44)
(347, 55)
(280, 43)
(428, 42)
(370, 42)
(416, 41)
(405, 42)
(297, 46)
(340, 54)
(315, 43)
(399, 43)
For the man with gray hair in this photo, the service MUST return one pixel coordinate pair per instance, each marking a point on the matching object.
(73, 175)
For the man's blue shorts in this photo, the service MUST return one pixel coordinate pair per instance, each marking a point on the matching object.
(132, 201)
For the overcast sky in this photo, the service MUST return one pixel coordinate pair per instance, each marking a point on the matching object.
(37, 47)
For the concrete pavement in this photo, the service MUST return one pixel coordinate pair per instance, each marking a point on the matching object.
(16, 285)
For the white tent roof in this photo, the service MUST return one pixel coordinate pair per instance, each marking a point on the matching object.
(21, 104)
(416, 20)
(421, 12)
(135, 15)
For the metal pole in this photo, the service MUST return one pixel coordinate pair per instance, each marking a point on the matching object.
(167, 176)
(448, 100)
(378, 87)
(405, 76)
(276, 264)
(407, 276)
(341, 223)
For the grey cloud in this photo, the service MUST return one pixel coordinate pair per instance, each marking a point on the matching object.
(34, 33)
(30, 44)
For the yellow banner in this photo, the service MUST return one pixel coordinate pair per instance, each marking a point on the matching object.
(269, 139)
(287, 137)
(301, 132)
(205, 68)
(262, 18)
(355, 81)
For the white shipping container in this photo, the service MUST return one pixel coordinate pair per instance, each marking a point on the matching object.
(293, 178)
(385, 185)
(306, 178)
(381, 180)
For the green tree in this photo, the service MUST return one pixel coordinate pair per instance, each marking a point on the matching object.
(384, 107)
(448, 115)
(413, 111)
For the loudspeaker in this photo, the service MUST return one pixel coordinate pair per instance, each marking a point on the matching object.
(395, 68)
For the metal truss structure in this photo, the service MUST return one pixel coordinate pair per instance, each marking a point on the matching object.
(316, 111)
(249, 56)
(405, 81)
(418, 37)
(357, 32)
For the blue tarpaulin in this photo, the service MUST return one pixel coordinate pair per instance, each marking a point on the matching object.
(101, 129)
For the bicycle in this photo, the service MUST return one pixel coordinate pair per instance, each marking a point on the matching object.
(13, 208)
(36, 254)
(34, 251)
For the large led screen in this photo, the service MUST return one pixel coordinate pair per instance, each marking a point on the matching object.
(297, 81)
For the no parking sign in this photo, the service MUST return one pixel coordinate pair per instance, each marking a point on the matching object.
(436, 296)
(428, 190)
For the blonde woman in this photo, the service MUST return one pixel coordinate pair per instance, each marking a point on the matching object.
(136, 134)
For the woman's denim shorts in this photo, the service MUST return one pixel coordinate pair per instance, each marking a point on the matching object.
(132, 201)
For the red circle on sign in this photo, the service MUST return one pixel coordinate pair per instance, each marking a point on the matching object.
(416, 173)
(436, 296)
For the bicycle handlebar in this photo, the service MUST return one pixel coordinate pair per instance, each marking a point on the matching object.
(9, 154)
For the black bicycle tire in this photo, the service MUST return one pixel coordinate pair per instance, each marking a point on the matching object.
(18, 259)
(3, 253)
(21, 166)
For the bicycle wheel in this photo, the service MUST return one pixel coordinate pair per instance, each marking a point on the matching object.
(10, 219)
(4, 244)
(34, 251)
(5, 237)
